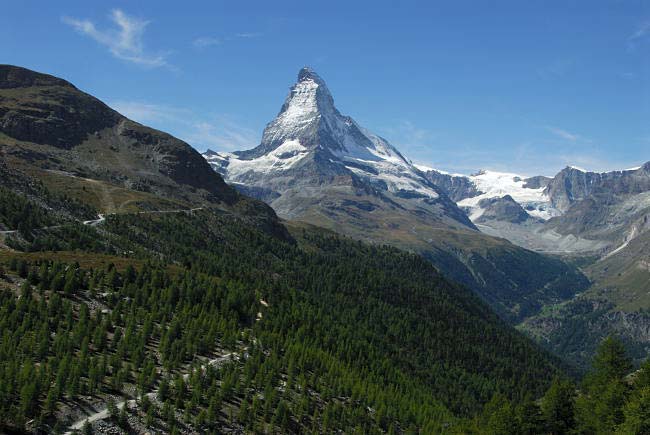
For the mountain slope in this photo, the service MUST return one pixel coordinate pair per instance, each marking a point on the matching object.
(578, 211)
(374, 333)
(50, 127)
(600, 221)
(318, 166)
(212, 321)
(310, 144)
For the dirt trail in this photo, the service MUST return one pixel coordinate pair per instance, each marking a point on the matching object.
(103, 414)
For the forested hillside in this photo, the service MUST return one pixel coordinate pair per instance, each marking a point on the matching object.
(249, 332)
(323, 332)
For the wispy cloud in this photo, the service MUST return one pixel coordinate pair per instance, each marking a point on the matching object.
(125, 41)
(209, 41)
(639, 35)
(202, 131)
(406, 134)
(248, 35)
(206, 41)
(539, 155)
(641, 31)
(567, 135)
(221, 133)
(149, 113)
(556, 68)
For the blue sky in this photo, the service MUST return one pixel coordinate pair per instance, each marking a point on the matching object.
(525, 86)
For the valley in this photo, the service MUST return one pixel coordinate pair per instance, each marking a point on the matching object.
(524, 244)
(356, 293)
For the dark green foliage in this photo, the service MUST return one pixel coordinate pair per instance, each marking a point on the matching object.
(558, 407)
(350, 292)
(18, 213)
(360, 327)
(605, 390)
(365, 339)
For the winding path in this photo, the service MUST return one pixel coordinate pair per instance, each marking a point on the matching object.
(102, 218)
(103, 413)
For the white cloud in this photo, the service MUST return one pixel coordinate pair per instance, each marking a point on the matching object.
(209, 41)
(206, 41)
(566, 135)
(149, 113)
(248, 35)
(642, 31)
(216, 131)
(221, 133)
(123, 41)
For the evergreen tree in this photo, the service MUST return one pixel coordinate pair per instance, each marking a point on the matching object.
(600, 407)
(558, 407)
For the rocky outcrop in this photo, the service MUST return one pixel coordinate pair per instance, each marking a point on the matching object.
(572, 184)
(503, 209)
(456, 187)
(537, 182)
(47, 110)
(62, 128)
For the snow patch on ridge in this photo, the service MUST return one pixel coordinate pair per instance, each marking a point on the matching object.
(282, 158)
(309, 123)
(499, 184)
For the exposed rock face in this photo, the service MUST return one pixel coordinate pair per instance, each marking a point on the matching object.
(316, 165)
(572, 185)
(575, 211)
(57, 127)
(456, 187)
(503, 209)
(600, 206)
(537, 182)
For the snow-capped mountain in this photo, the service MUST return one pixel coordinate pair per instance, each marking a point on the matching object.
(529, 193)
(318, 166)
(310, 136)
(574, 211)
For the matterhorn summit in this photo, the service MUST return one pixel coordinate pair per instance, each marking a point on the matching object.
(311, 152)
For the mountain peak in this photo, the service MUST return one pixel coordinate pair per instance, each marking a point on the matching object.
(310, 93)
(18, 77)
(308, 111)
(307, 73)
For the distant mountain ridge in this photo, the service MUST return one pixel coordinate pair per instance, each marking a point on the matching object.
(572, 208)
(600, 219)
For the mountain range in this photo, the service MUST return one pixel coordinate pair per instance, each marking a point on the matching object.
(318, 166)
(576, 211)
(522, 243)
(140, 291)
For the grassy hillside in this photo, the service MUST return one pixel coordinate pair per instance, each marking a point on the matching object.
(618, 302)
